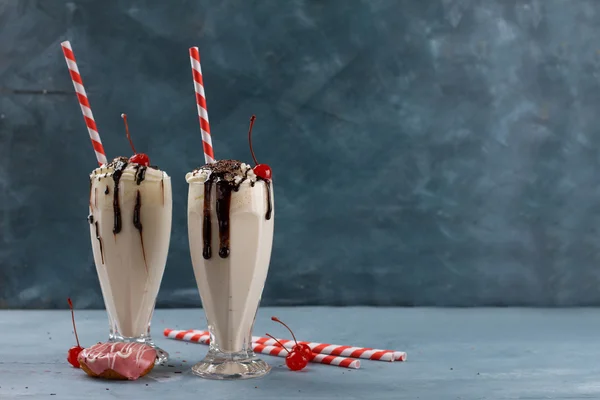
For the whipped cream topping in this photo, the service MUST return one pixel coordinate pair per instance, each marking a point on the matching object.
(128, 171)
(232, 171)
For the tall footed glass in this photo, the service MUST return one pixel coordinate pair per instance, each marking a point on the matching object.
(230, 227)
(130, 228)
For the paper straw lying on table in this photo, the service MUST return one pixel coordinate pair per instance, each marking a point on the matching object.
(338, 350)
(317, 358)
(204, 338)
(331, 349)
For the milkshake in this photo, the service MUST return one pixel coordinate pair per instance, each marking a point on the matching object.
(130, 228)
(230, 228)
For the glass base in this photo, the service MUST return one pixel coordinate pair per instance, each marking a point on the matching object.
(220, 365)
(161, 355)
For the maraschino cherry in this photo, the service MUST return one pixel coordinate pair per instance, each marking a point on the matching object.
(137, 158)
(75, 350)
(261, 170)
(300, 355)
(294, 359)
(299, 347)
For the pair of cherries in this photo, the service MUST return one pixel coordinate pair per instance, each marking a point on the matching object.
(301, 354)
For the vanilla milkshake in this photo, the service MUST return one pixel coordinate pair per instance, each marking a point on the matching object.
(130, 227)
(230, 228)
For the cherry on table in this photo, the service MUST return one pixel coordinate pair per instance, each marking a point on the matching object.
(73, 354)
(298, 347)
(75, 350)
(300, 355)
(296, 361)
(305, 350)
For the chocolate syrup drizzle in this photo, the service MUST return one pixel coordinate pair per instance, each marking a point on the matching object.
(221, 173)
(162, 188)
(90, 219)
(140, 173)
(269, 204)
(136, 212)
(120, 163)
(99, 241)
(137, 222)
(90, 196)
(268, 187)
(223, 204)
(206, 224)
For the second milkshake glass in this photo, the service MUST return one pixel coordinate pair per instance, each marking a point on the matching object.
(130, 228)
(230, 228)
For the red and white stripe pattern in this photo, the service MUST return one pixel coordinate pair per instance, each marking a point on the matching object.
(338, 350)
(188, 336)
(317, 358)
(278, 351)
(209, 155)
(84, 102)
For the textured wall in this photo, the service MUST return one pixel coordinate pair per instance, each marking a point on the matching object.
(424, 152)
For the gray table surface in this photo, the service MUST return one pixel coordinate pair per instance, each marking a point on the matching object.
(452, 354)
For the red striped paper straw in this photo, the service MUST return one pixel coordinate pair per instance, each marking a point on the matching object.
(209, 155)
(188, 336)
(84, 102)
(204, 338)
(339, 350)
(317, 358)
(332, 349)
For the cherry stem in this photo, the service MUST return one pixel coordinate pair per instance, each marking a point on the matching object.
(282, 323)
(124, 116)
(273, 337)
(73, 319)
(250, 138)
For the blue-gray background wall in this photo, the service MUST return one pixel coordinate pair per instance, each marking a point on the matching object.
(438, 152)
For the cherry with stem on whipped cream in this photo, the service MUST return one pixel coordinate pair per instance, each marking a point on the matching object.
(294, 360)
(299, 347)
(261, 170)
(137, 158)
(75, 350)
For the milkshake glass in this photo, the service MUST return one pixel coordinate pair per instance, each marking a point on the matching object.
(130, 228)
(230, 229)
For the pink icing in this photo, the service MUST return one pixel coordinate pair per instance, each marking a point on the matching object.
(128, 359)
